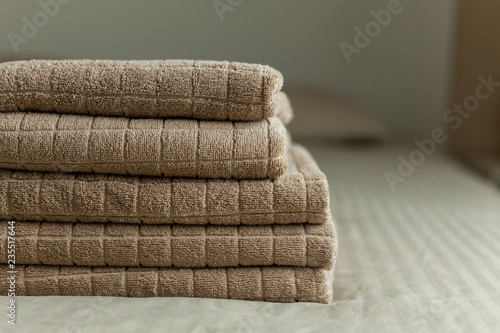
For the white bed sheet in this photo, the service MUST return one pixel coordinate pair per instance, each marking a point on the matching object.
(423, 258)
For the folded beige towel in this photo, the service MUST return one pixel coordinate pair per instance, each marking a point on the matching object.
(91, 244)
(153, 147)
(274, 284)
(299, 196)
(215, 90)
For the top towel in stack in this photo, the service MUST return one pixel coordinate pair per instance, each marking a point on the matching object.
(252, 144)
(93, 153)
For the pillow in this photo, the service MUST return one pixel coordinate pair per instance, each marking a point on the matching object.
(321, 115)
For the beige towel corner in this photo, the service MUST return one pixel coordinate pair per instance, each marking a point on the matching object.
(211, 90)
(98, 244)
(272, 284)
(299, 196)
(149, 147)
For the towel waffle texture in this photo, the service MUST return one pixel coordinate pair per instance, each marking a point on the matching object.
(155, 147)
(274, 284)
(91, 244)
(211, 90)
(158, 178)
(299, 196)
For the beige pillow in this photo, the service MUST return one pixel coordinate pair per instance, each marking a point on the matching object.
(321, 115)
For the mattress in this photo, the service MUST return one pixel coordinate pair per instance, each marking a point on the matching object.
(424, 257)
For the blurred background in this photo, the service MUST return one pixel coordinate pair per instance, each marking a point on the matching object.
(385, 66)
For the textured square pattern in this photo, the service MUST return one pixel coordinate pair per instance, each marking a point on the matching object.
(210, 90)
(299, 196)
(97, 244)
(273, 284)
(151, 147)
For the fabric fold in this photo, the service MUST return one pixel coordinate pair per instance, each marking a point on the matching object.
(299, 196)
(90, 244)
(151, 147)
(273, 284)
(209, 90)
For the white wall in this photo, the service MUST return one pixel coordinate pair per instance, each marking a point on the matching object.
(401, 78)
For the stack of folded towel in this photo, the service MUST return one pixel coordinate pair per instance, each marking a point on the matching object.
(159, 178)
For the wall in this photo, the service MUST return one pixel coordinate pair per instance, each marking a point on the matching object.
(478, 53)
(401, 78)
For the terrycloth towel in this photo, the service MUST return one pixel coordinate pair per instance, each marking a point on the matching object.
(274, 284)
(213, 90)
(151, 147)
(299, 196)
(91, 244)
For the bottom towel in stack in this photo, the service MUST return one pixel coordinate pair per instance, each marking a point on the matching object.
(284, 262)
(272, 284)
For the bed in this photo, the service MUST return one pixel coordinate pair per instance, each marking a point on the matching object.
(421, 256)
